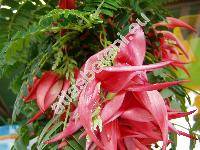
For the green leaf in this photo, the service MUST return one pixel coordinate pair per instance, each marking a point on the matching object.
(54, 128)
(173, 137)
(46, 128)
(75, 143)
(166, 93)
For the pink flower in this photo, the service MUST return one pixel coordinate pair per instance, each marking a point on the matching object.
(136, 116)
(170, 46)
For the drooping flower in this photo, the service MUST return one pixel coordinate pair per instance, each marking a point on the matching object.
(45, 91)
(170, 46)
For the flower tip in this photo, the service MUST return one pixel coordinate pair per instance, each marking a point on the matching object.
(185, 81)
(173, 22)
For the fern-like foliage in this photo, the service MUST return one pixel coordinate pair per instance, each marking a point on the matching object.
(18, 15)
(15, 16)
(108, 6)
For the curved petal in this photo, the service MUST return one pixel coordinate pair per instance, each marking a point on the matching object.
(170, 36)
(181, 66)
(134, 144)
(133, 53)
(114, 82)
(71, 128)
(112, 107)
(46, 82)
(151, 87)
(136, 68)
(32, 90)
(114, 79)
(52, 94)
(173, 23)
(154, 102)
(88, 97)
(175, 115)
(137, 114)
(142, 130)
(109, 136)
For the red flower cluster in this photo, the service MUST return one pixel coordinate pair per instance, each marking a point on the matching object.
(136, 115)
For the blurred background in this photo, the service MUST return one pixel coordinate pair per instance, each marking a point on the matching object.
(187, 10)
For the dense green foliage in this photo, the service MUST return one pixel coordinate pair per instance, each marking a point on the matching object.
(31, 35)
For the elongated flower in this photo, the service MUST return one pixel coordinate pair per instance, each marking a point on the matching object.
(172, 23)
(170, 46)
(169, 41)
(45, 91)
